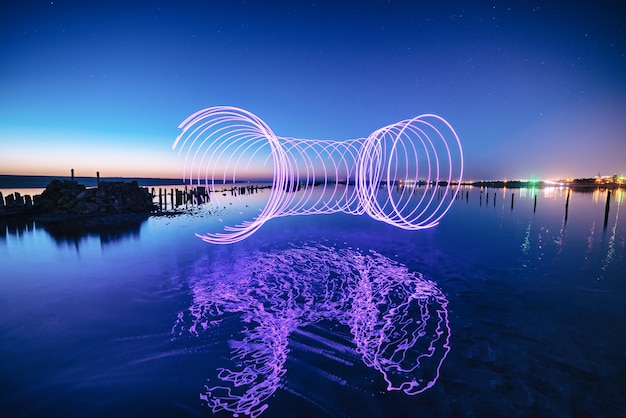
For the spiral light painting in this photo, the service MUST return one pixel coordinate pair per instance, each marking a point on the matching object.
(390, 175)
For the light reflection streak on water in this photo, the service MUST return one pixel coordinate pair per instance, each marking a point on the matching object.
(596, 195)
(526, 243)
(610, 254)
(559, 238)
(590, 239)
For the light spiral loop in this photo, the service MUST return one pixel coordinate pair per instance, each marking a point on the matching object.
(400, 174)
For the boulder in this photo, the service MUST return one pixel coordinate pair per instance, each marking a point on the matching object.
(72, 198)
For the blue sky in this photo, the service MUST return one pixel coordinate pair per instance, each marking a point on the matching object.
(533, 89)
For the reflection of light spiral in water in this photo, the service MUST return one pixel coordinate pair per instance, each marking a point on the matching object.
(223, 145)
(398, 321)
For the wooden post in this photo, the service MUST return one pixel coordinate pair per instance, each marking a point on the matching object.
(487, 201)
(512, 200)
(606, 208)
(481, 198)
(160, 200)
(72, 174)
(567, 204)
(467, 196)
(535, 206)
(494, 199)
(98, 178)
(172, 200)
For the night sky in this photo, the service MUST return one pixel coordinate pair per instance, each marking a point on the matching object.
(533, 89)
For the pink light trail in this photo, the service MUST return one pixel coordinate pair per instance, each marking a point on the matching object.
(398, 320)
(224, 144)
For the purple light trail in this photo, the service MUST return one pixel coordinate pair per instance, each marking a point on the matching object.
(221, 144)
(398, 320)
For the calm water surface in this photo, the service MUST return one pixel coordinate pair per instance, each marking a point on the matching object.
(142, 319)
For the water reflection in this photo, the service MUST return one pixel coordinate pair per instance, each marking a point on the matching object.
(393, 319)
(527, 339)
(610, 255)
(16, 227)
(559, 238)
(526, 243)
(74, 232)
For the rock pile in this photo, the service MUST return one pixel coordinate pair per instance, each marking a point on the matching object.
(72, 198)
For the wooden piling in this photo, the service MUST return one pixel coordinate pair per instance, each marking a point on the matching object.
(179, 198)
(98, 178)
(606, 208)
(72, 174)
(512, 200)
(567, 204)
(494, 199)
(535, 206)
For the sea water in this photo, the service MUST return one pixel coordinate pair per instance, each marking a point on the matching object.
(506, 308)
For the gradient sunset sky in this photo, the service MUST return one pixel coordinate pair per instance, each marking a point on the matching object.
(533, 89)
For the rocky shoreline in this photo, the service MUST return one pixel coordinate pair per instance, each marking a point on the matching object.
(68, 200)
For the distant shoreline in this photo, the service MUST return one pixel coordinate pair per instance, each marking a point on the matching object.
(9, 181)
(581, 184)
(12, 181)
